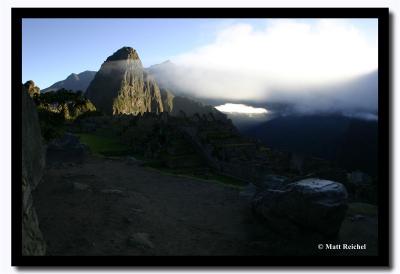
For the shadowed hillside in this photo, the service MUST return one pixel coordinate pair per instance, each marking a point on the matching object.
(351, 143)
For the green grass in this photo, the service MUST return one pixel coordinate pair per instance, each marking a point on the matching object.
(226, 180)
(237, 145)
(211, 177)
(104, 145)
(363, 209)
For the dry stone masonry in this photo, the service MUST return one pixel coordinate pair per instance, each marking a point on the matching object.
(33, 163)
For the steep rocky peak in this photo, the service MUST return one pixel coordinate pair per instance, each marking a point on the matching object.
(125, 53)
(121, 86)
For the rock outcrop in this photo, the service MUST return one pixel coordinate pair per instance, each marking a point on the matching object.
(31, 88)
(121, 86)
(312, 205)
(66, 102)
(168, 100)
(33, 163)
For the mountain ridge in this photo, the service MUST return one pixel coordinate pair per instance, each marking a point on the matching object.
(73, 82)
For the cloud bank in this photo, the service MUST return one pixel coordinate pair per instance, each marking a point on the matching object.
(304, 63)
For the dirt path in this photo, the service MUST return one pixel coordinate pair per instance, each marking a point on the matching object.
(112, 207)
(180, 216)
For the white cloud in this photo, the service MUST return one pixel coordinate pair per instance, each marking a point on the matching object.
(245, 63)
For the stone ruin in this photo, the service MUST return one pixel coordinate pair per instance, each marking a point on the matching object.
(33, 164)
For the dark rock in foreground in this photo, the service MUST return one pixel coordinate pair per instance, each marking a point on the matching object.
(33, 163)
(68, 148)
(312, 205)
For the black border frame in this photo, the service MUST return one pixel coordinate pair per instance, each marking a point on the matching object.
(382, 14)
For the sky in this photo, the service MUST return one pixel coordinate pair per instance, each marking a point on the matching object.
(54, 48)
(315, 65)
(284, 54)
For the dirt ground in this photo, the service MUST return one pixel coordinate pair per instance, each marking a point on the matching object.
(113, 207)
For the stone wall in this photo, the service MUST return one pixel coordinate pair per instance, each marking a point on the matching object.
(33, 163)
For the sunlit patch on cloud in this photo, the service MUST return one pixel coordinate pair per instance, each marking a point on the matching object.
(240, 108)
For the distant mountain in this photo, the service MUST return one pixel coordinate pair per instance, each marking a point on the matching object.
(169, 77)
(73, 82)
(351, 143)
(164, 73)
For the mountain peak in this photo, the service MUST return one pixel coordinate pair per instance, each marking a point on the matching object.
(73, 76)
(121, 86)
(124, 54)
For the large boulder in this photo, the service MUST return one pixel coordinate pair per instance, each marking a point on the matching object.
(311, 205)
(121, 86)
(33, 163)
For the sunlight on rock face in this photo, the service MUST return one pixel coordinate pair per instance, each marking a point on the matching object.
(240, 108)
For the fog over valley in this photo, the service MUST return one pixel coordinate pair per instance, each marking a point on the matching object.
(321, 67)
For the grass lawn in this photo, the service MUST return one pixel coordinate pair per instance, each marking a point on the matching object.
(104, 145)
(212, 177)
(363, 209)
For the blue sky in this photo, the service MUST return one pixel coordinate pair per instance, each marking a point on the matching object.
(54, 48)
